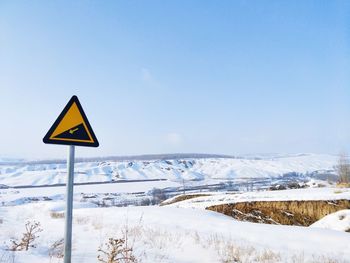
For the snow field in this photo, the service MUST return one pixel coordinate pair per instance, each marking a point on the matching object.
(169, 234)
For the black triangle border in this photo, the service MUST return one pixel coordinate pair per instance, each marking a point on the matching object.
(47, 139)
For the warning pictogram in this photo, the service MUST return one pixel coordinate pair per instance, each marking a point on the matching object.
(72, 127)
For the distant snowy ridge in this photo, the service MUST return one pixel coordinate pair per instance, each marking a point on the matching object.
(143, 157)
(205, 169)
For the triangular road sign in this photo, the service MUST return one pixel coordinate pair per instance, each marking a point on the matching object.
(72, 127)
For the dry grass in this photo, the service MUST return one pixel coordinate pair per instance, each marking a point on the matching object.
(56, 215)
(160, 239)
(97, 223)
(325, 259)
(268, 256)
(56, 249)
(343, 185)
(7, 257)
(230, 251)
(158, 244)
(81, 220)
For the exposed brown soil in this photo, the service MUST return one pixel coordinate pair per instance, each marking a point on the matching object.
(301, 213)
(182, 198)
(343, 185)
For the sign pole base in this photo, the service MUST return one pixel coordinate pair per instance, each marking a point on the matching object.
(69, 205)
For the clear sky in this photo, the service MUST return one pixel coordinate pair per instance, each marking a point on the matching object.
(228, 77)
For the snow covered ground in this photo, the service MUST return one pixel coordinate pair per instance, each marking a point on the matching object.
(13, 196)
(169, 234)
(208, 170)
(326, 193)
(337, 221)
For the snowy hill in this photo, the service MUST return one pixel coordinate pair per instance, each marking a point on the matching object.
(198, 168)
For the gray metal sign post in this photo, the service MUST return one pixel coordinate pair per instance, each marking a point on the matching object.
(69, 206)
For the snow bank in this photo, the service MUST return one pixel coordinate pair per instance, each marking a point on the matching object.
(337, 221)
(326, 193)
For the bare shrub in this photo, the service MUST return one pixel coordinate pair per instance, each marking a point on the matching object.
(32, 229)
(56, 249)
(116, 251)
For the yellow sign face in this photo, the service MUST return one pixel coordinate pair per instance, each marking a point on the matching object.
(72, 127)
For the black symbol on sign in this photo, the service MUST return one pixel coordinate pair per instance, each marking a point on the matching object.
(78, 132)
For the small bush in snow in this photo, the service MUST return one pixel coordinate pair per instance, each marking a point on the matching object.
(116, 251)
(56, 249)
(28, 238)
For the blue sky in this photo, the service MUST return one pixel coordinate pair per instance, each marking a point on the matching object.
(229, 77)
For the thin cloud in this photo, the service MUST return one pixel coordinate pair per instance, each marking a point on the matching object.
(146, 75)
(174, 139)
